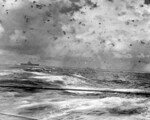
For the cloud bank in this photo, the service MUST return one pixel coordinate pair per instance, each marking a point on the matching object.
(96, 33)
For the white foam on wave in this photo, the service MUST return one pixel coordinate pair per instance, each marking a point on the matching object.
(48, 77)
(10, 71)
(6, 72)
(66, 80)
(39, 74)
(88, 106)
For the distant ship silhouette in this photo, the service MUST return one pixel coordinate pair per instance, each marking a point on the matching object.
(29, 64)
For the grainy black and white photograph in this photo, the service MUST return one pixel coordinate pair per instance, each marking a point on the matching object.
(74, 59)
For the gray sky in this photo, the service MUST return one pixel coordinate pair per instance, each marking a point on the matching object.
(108, 34)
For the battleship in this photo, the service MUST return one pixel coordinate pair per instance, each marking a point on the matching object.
(29, 64)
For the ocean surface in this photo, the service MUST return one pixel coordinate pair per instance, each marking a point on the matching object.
(52, 93)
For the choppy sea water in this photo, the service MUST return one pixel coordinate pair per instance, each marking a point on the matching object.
(21, 98)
